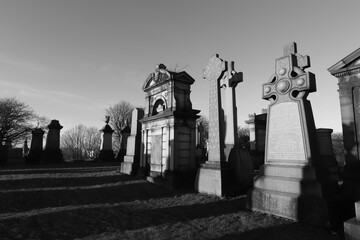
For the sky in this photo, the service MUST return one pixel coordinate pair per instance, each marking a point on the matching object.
(71, 59)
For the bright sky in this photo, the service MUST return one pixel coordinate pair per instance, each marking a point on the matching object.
(71, 59)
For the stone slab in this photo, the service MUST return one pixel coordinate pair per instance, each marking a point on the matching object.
(309, 209)
(128, 168)
(352, 229)
(303, 172)
(208, 180)
(286, 141)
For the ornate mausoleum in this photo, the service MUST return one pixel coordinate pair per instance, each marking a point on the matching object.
(168, 129)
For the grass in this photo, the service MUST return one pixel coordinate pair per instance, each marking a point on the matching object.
(97, 202)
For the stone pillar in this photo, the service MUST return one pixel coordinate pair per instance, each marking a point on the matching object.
(106, 152)
(52, 152)
(287, 185)
(25, 147)
(132, 159)
(36, 147)
(125, 133)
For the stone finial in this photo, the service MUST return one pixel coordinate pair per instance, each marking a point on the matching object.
(107, 119)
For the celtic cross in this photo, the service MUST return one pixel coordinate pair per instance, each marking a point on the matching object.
(290, 81)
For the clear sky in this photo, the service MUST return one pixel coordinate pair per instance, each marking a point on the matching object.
(71, 59)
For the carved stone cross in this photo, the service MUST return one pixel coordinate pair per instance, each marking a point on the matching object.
(213, 73)
(228, 102)
(290, 81)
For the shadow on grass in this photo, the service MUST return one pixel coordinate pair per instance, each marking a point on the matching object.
(59, 170)
(90, 221)
(293, 231)
(61, 182)
(17, 202)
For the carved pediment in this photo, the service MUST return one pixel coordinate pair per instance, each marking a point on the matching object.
(160, 75)
(348, 65)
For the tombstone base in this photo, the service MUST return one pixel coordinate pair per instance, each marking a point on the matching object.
(290, 192)
(173, 179)
(52, 156)
(106, 156)
(215, 180)
(352, 229)
(128, 166)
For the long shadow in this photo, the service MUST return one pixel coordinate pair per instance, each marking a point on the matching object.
(59, 170)
(120, 218)
(61, 182)
(24, 201)
(293, 231)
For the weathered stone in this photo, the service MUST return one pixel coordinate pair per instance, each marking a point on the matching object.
(287, 185)
(36, 147)
(106, 152)
(352, 226)
(52, 152)
(131, 161)
(347, 71)
(168, 129)
(226, 165)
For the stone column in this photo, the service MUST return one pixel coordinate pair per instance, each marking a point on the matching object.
(36, 147)
(106, 152)
(132, 159)
(125, 133)
(52, 152)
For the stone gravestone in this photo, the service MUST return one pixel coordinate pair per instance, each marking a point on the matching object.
(106, 152)
(287, 184)
(347, 72)
(52, 152)
(36, 147)
(226, 165)
(132, 159)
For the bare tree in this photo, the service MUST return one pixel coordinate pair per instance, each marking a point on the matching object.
(80, 142)
(119, 114)
(243, 135)
(205, 123)
(17, 120)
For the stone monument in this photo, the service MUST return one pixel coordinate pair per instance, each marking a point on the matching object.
(347, 72)
(287, 185)
(131, 162)
(52, 152)
(106, 152)
(125, 133)
(36, 147)
(226, 165)
(168, 129)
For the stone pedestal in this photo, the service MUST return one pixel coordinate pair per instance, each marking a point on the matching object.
(131, 161)
(36, 147)
(52, 152)
(287, 185)
(106, 152)
(168, 129)
(352, 226)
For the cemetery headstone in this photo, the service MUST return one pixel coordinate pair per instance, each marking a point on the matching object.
(52, 152)
(125, 133)
(287, 185)
(131, 162)
(226, 165)
(36, 147)
(347, 72)
(168, 129)
(106, 152)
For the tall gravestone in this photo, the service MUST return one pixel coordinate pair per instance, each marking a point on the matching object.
(168, 129)
(287, 185)
(131, 162)
(218, 176)
(106, 152)
(36, 147)
(125, 133)
(347, 72)
(52, 152)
